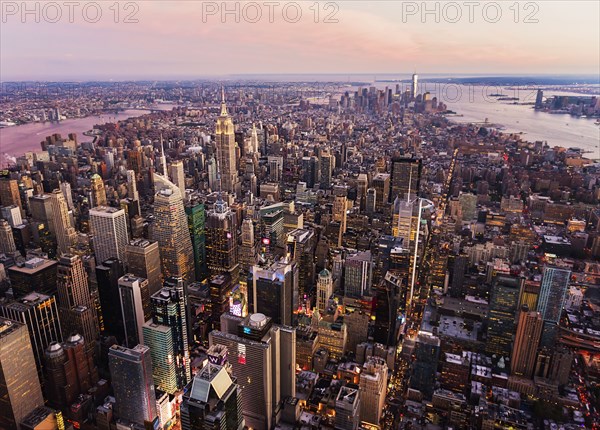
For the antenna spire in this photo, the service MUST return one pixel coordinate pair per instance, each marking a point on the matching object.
(162, 156)
(223, 105)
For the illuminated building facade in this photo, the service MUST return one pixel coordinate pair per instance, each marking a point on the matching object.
(170, 229)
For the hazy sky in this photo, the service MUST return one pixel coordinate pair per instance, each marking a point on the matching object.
(175, 39)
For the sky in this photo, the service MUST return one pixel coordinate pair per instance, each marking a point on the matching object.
(156, 39)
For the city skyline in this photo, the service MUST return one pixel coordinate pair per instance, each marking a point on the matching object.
(379, 37)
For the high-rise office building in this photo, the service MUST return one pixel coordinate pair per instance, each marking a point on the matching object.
(170, 230)
(263, 360)
(347, 408)
(196, 216)
(275, 291)
(7, 240)
(300, 247)
(225, 145)
(9, 193)
(97, 191)
(414, 86)
(310, 171)
(177, 176)
(381, 184)
(339, 211)
(109, 228)
(553, 291)
(371, 201)
(212, 400)
(159, 338)
(65, 188)
(107, 275)
(142, 258)
(37, 274)
(358, 273)
(20, 391)
(221, 239)
(12, 214)
(324, 289)
(527, 340)
(405, 177)
(169, 308)
(373, 389)
(41, 210)
(327, 163)
(248, 255)
(427, 353)
(555, 283)
(40, 313)
(131, 372)
(78, 312)
(69, 371)
(135, 307)
(503, 310)
(63, 223)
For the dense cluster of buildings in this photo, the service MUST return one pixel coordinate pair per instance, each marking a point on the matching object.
(275, 262)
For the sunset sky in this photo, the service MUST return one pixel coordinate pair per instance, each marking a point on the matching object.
(172, 41)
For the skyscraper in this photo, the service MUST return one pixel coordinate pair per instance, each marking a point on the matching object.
(142, 258)
(358, 270)
(196, 216)
(178, 176)
(339, 212)
(159, 338)
(20, 391)
(40, 313)
(248, 250)
(97, 191)
(135, 307)
(78, 313)
(373, 388)
(63, 224)
(405, 177)
(9, 193)
(381, 184)
(169, 309)
(555, 282)
(170, 230)
(109, 228)
(503, 309)
(413, 86)
(37, 274)
(275, 291)
(225, 145)
(221, 239)
(131, 372)
(347, 408)
(324, 289)
(7, 240)
(553, 290)
(212, 400)
(107, 275)
(262, 357)
(69, 371)
(427, 353)
(527, 340)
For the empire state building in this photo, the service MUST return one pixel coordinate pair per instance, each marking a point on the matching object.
(225, 144)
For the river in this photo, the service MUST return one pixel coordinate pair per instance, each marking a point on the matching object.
(471, 103)
(19, 139)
